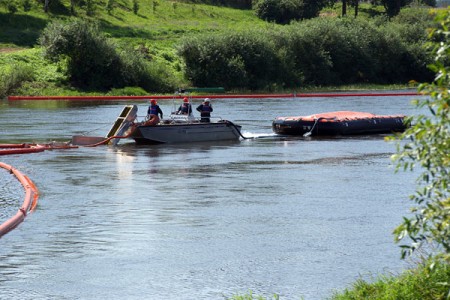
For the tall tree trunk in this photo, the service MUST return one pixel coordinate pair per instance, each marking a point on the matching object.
(46, 3)
(356, 7)
(344, 7)
(72, 7)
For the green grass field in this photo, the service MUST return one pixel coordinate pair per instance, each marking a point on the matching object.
(162, 24)
(156, 28)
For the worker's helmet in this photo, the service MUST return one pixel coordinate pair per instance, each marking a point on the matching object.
(153, 101)
(185, 100)
(207, 100)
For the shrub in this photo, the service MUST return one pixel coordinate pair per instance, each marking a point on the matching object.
(12, 7)
(93, 61)
(428, 150)
(321, 51)
(240, 60)
(285, 11)
(416, 283)
(135, 7)
(300, 48)
(13, 76)
(128, 91)
(110, 6)
(26, 5)
(90, 7)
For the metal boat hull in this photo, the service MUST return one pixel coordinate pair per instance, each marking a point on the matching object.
(186, 133)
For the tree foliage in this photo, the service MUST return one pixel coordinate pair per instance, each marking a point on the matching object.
(236, 60)
(321, 51)
(94, 62)
(428, 149)
(285, 11)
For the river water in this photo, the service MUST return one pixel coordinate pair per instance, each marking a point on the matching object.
(298, 217)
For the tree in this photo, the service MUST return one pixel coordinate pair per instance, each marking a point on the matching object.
(72, 6)
(356, 5)
(428, 148)
(284, 11)
(393, 7)
(92, 59)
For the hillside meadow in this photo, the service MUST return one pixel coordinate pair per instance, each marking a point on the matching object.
(158, 32)
(153, 31)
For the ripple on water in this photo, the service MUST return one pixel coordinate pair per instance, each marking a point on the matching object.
(11, 195)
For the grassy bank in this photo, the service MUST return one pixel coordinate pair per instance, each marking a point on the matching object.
(162, 24)
(414, 284)
(154, 30)
(418, 283)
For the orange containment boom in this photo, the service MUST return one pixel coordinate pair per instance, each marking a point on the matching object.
(28, 205)
(223, 96)
(7, 149)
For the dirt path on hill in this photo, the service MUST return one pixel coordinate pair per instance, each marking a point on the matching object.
(9, 50)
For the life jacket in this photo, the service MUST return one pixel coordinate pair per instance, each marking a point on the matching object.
(186, 108)
(205, 110)
(153, 110)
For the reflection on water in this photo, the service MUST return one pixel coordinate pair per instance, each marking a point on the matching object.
(296, 216)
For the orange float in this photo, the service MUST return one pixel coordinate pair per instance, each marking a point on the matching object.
(7, 149)
(28, 205)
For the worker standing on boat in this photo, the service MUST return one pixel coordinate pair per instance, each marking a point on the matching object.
(205, 110)
(152, 113)
(185, 108)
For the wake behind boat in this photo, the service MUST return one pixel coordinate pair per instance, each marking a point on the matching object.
(339, 123)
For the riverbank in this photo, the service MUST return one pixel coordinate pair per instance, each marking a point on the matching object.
(157, 35)
(416, 283)
(25, 72)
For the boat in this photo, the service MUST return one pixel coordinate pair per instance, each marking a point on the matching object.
(177, 128)
(185, 129)
(339, 123)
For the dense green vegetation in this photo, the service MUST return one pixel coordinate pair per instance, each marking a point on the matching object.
(93, 61)
(285, 11)
(428, 149)
(414, 284)
(159, 46)
(418, 283)
(150, 36)
(322, 51)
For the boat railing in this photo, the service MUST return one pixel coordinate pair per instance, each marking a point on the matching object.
(216, 119)
(181, 119)
(186, 119)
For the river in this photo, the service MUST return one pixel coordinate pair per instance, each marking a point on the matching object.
(297, 217)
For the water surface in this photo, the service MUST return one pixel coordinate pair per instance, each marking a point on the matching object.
(293, 216)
